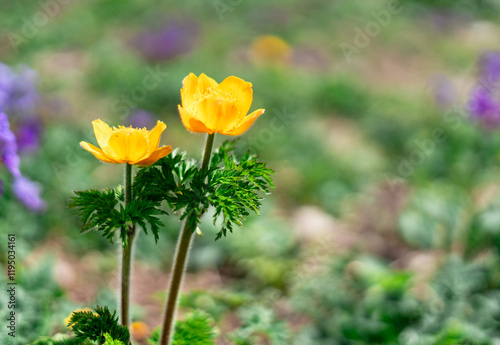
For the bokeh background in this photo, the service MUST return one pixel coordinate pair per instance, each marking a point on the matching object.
(384, 227)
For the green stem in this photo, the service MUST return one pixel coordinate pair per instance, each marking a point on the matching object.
(207, 154)
(180, 259)
(126, 255)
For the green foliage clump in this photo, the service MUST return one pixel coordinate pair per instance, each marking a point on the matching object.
(344, 97)
(215, 303)
(38, 302)
(60, 339)
(196, 329)
(357, 301)
(86, 325)
(368, 302)
(259, 322)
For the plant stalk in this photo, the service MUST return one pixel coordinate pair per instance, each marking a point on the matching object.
(180, 259)
(126, 263)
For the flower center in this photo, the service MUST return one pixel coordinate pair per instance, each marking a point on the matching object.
(213, 93)
(130, 130)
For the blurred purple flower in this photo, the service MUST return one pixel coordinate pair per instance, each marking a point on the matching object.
(18, 94)
(8, 146)
(28, 135)
(484, 102)
(141, 118)
(28, 192)
(25, 190)
(173, 39)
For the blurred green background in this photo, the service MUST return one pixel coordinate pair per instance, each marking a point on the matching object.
(384, 227)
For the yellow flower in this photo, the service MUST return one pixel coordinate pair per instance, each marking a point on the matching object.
(66, 320)
(270, 49)
(126, 144)
(139, 330)
(209, 107)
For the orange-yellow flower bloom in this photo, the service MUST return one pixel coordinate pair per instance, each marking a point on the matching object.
(270, 49)
(127, 145)
(139, 330)
(209, 107)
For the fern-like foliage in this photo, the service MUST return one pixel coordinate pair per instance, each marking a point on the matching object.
(167, 180)
(196, 329)
(104, 211)
(87, 325)
(111, 341)
(236, 186)
(97, 210)
(232, 186)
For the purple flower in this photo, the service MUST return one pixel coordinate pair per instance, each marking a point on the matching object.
(490, 67)
(484, 102)
(8, 146)
(25, 190)
(173, 39)
(141, 118)
(28, 192)
(28, 135)
(18, 94)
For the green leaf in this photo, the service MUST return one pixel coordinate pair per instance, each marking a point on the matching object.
(111, 341)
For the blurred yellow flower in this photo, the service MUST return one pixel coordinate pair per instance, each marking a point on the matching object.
(209, 107)
(127, 145)
(139, 330)
(66, 320)
(270, 49)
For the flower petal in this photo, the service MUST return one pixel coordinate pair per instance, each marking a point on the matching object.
(97, 152)
(102, 133)
(217, 115)
(241, 90)
(244, 124)
(128, 145)
(189, 90)
(205, 83)
(154, 135)
(157, 154)
(191, 123)
(208, 111)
